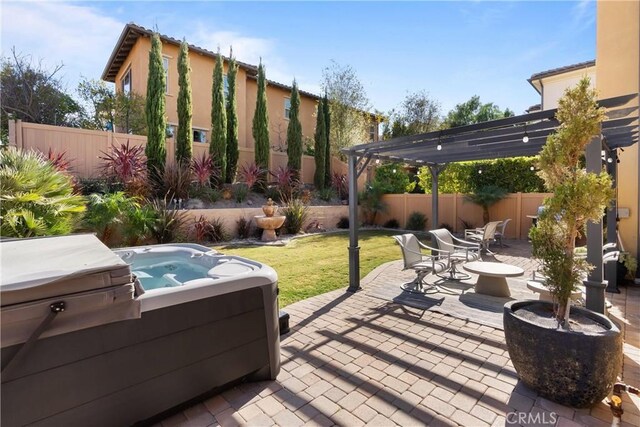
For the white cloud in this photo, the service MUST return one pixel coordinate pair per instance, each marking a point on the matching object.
(250, 50)
(80, 37)
(584, 15)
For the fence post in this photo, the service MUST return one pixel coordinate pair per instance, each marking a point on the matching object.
(12, 132)
(454, 221)
(19, 142)
(519, 215)
(404, 208)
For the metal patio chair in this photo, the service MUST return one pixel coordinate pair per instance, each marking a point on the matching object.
(499, 236)
(484, 236)
(458, 250)
(421, 263)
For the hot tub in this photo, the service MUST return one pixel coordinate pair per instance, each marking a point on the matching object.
(115, 356)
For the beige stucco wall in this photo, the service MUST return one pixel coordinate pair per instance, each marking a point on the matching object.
(452, 208)
(201, 83)
(553, 87)
(618, 69)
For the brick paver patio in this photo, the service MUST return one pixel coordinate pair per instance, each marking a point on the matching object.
(351, 360)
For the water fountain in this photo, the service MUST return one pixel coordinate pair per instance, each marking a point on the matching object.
(268, 222)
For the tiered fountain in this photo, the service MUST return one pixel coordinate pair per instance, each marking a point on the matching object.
(268, 222)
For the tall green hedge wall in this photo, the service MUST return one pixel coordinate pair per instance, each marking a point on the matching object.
(513, 174)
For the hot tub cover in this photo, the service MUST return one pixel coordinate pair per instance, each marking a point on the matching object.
(95, 284)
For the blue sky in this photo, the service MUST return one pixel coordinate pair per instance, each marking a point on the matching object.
(452, 50)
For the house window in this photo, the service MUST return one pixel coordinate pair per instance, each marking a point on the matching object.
(372, 132)
(225, 86)
(287, 108)
(170, 131)
(165, 65)
(126, 82)
(199, 136)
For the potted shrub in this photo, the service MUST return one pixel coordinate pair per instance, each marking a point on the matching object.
(570, 360)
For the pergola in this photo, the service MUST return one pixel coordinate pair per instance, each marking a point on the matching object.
(509, 137)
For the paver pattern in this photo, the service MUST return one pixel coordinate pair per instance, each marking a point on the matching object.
(352, 360)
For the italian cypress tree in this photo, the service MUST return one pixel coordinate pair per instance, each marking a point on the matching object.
(320, 138)
(261, 122)
(232, 121)
(327, 156)
(184, 139)
(218, 145)
(155, 109)
(294, 133)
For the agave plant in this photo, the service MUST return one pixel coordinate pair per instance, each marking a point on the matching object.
(35, 198)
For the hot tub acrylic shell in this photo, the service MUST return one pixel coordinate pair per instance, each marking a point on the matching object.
(188, 341)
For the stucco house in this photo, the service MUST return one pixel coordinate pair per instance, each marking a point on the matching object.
(127, 67)
(614, 72)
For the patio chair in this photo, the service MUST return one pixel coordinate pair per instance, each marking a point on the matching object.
(422, 264)
(484, 235)
(500, 231)
(458, 251)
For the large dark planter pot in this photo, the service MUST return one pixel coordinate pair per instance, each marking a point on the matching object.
(571, 368)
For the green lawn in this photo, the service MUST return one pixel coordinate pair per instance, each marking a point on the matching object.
(320, 263)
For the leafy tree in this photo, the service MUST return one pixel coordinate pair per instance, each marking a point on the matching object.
(516, 174)
(327, 157)
(320, 139)
(34, 94)
(261, 122)
(106, 110)
(294, 133)
(36, 199)
(486, 197)
(578, 196)
(218, 145)
(473, 111)
(348, 104)
(393, 178)
(99, 100)
(156, 149)
(184, 139)
(417, 114)
(233, 153)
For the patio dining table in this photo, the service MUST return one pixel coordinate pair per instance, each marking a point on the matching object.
(492, 277)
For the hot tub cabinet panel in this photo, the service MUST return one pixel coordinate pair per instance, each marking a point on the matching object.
(124, 372)
(186, 343)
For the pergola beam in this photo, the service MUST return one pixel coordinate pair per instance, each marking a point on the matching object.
(490, 140)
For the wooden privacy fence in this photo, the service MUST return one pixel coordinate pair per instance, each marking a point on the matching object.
(453, 208)
(83, 147)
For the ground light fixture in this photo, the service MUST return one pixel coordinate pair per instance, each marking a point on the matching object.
(439, 147)
(525, 138)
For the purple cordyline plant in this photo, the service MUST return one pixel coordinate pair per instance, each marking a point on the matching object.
(126, 163)
(202, 169)
(340, 183)
(250, 174)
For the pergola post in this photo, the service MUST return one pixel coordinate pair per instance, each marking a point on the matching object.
(434, 169)
(612, 224)
(595, 281)
(354, 249)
